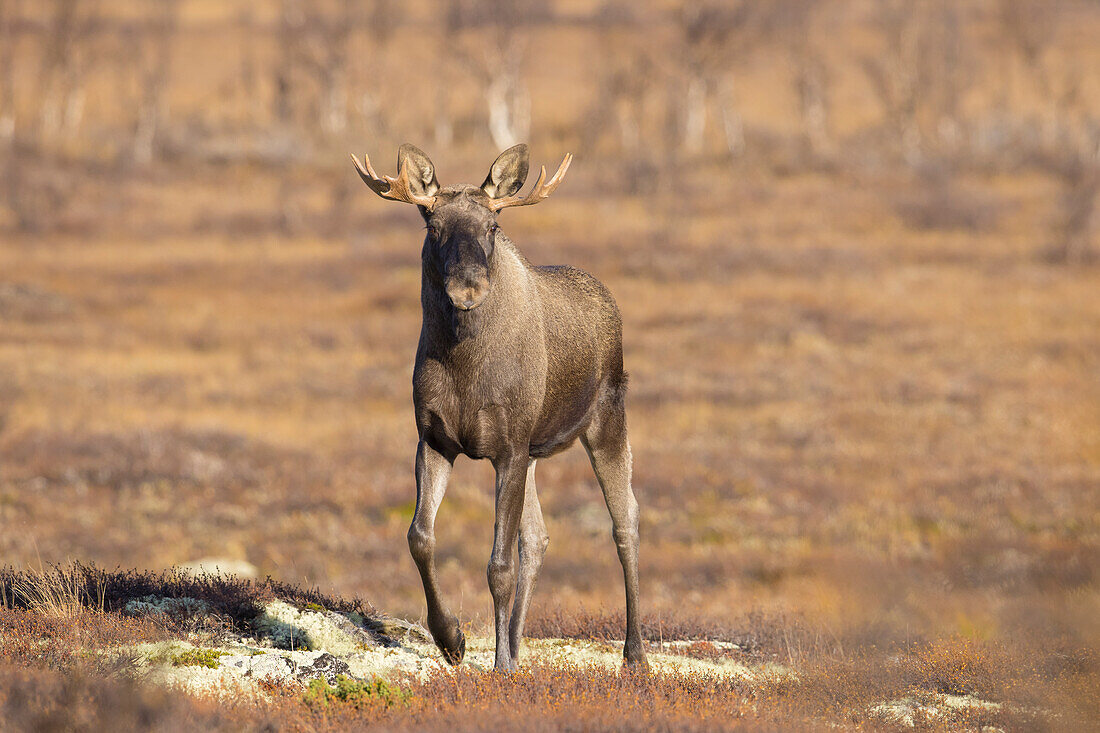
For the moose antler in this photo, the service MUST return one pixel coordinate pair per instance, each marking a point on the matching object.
(539, 192)
(395, 189)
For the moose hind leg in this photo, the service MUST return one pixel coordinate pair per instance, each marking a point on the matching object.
(510, 490)
(533, 540)
(432, 471)
(608, 449)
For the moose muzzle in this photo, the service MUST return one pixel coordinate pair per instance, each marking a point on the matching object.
(467, 290)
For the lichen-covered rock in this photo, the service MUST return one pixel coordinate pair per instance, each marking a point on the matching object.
(220, 682)
(930, 709)
(175, 608)
(162, 653)
(326, 667)
(294, 646)
(288, 627)
(610, 656)
(353, 627)
(272, 667)
(397, 629)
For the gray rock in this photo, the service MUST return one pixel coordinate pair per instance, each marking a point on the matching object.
(393, 630)
(326, 667)
(359, 636)
(274, 666)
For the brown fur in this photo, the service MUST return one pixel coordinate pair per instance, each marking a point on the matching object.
(515, 363)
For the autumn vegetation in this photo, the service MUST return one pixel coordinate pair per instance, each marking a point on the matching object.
(856, 249)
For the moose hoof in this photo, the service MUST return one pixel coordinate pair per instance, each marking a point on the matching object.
(452, 643)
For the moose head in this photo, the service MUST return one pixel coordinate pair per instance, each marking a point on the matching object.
(461, 220)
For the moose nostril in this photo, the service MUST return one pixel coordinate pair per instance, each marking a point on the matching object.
(468, 304)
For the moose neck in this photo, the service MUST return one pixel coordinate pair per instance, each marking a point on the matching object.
(497, 314)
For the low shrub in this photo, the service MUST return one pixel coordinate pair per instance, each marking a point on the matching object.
(354, 693)
(196, 658)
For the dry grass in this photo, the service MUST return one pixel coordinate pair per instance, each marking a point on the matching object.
(74, 590)
(81, 701)
(50, 672)
(540, 700)
(56, 593)
(33, 641)
(864, 406)
(1048, 683)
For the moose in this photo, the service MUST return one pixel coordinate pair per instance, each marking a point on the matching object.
(515, 363)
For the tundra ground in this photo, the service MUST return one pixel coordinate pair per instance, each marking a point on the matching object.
(847, 442)
(864, 399)
(80, 647)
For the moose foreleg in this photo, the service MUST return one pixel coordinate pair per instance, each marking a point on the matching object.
(432, 471)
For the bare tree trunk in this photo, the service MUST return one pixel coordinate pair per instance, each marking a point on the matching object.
(10, 166)
(74, 106)
(1080, 175)
(629, 132)
(55, 73)
(371, 113)
(249, 67)
(814, 105)
(443, 130)
(509, 108)
(290, 22)
(65, 66)
(494, 54)
(334, 116)
(9, 14)
(732, 124)
(695, 114)
(336, 113)
(154, 106)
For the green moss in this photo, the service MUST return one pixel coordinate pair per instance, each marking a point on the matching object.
(196, 658)
(315, 607)
(354, 693)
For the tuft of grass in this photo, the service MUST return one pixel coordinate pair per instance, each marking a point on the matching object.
(354, 693)
(66, 591)
(57, 592)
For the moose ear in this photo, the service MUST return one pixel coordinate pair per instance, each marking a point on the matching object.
(508, 172)
(422, 181)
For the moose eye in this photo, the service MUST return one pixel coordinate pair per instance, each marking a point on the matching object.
(493, 229)
(433, 233)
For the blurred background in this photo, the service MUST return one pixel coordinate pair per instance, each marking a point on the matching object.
(855, 243)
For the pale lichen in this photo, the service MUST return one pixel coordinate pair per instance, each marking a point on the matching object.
(930, 709)
(291, 628)
(171, 607)
(293, 645)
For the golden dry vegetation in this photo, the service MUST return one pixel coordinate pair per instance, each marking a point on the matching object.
(861, 312)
